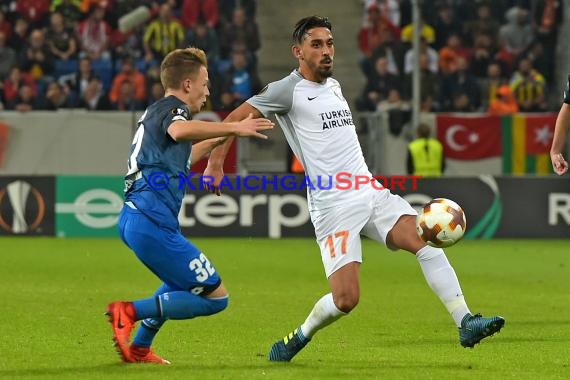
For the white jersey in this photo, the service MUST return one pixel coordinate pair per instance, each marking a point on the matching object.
(318, 125)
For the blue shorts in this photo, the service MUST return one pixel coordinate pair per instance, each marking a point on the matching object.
(167, 253)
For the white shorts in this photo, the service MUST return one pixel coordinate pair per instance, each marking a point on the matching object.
(338, 229)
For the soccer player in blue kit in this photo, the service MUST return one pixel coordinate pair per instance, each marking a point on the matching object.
(148, 223)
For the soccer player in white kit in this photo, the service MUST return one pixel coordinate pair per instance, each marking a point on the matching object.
(559, 164)
(318, 125)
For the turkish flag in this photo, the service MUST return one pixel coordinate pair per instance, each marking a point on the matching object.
(470, 138)
(539, 133)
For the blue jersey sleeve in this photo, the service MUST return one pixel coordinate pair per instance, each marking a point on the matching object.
(174, 114)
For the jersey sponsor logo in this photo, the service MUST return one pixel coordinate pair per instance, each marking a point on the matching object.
(27, 205)
(311, 98)
(336, 119)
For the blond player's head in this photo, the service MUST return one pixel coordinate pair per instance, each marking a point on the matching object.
(184, 73)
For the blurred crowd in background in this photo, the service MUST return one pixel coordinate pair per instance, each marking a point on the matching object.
(72, 54)
(476, 56)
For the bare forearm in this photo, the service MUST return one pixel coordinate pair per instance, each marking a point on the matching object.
(200, 130)
(560, 130)
(202, 148)
(219, 154)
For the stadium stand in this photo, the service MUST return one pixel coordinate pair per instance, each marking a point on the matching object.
(85, 54)
(472, 47)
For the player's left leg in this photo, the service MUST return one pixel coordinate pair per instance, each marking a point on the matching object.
(177, 304)
(148, 328)
(394, 224)
(195, 286)
(436, 268)
(442, 279)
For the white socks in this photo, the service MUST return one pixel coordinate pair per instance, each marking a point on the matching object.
(438, 273)
(442, 280)
(323, 314)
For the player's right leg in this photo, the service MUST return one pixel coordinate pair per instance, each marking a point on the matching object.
(337, 232)
(195, 288)
(140, 349)
(343, 298)
(147, 331)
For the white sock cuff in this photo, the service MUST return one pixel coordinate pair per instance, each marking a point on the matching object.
(428, 252)
(328, 298)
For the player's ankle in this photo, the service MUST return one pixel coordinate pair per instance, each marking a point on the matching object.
(139, 348)
(131, 311)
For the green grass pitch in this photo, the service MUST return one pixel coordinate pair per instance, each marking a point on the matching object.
(54, 293)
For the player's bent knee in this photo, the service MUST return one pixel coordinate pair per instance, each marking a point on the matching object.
(219, 292)
(404, 235)
(215, 305)
(346, 302)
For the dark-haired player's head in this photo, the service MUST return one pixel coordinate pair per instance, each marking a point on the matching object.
(313, 46)
(184, 74)
(305, 24)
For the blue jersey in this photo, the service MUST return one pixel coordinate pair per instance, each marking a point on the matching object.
(155, 162)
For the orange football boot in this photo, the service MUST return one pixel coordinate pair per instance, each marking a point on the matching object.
(145, 355)
(122, 317)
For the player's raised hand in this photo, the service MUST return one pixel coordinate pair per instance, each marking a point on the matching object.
(250, 127)
(559, 164)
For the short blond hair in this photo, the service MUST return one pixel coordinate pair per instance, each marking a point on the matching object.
(180, 64)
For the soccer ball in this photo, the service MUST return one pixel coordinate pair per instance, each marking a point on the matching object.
(441, 223)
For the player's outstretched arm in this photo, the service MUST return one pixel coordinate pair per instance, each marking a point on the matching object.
(200, 130)
(200, 149)
(559, 164)
(215, 166)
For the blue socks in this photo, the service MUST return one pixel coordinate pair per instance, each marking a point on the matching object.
(171, 304)
(147, 331)
(178, 305)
